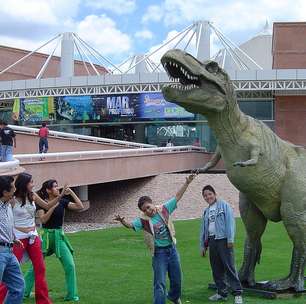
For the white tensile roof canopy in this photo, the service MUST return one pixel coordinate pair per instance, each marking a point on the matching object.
(259, 48)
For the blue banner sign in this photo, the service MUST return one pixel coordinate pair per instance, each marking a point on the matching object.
(153, 105)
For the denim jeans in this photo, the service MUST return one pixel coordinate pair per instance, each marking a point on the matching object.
(166, 260)
(43, 145)
(7, 153)
(11, 276)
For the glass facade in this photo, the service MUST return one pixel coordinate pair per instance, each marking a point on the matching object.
(262, 109)
(145, 118)
(259, 109)
(180, 134)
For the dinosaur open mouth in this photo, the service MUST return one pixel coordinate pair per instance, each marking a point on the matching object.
(185, 80)
(182, 77)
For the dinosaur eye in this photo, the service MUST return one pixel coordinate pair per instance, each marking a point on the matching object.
(212, 67)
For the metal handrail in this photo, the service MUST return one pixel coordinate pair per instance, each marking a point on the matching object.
(107, 153)
(73, 136)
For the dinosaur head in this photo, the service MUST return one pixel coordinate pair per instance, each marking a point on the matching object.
(202, 87)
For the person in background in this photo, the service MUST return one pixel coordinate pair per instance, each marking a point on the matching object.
(10, 272)
(54, 240)
(8, 139)
(160, 238)
(197, 142)
(217, 234)
(43, 138)
(169, 143)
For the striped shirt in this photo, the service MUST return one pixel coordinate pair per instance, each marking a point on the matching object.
(6, 222)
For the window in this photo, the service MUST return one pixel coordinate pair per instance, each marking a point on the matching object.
(259, 109)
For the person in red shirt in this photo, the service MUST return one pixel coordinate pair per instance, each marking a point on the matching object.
(197, 142)
(43, 138)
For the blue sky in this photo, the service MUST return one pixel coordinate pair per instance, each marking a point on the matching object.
(120, 28)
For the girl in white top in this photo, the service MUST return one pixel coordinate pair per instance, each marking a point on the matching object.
(24, 211)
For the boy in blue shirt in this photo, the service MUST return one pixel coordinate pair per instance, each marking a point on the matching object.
(160, 238)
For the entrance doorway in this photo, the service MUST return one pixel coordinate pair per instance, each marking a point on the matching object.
(119, 132)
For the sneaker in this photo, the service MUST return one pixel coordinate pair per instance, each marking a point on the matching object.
(238, 300)
(73, 299)
(217, 297)
(178, 301)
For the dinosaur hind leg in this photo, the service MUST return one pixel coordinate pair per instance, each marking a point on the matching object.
(255, 224)
(294, 217)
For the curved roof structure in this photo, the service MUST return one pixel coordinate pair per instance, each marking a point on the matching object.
(259, 48)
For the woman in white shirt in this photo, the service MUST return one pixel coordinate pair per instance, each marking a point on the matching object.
(24, 210)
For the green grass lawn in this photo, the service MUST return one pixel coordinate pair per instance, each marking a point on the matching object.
(114, 267)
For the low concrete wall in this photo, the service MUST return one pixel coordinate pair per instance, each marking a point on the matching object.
(90, 171)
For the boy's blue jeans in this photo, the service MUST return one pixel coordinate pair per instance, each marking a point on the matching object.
(7, 153)
(43, 145)
(11, 276)
(166, 260)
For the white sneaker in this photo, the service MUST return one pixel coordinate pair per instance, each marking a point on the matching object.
(216, 297)
(238, 300)
(178, 301)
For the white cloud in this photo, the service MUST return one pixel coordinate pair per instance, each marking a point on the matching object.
(119, 7)
(233, 15)
(39, 11)
(144, 34)
(173, 44)
(154, 13)
(101, 33)
(27, 24)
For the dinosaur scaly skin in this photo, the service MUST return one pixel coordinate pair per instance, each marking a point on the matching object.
(269, 173)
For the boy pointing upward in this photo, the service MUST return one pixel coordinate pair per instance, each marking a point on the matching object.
(160, 238)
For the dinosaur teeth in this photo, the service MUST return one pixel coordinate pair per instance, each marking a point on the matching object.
(177, 85)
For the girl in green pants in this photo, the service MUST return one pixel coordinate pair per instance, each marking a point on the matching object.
(54, 240)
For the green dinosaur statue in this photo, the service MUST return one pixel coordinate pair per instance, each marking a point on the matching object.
(269, 172)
